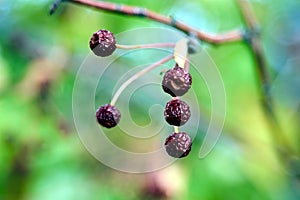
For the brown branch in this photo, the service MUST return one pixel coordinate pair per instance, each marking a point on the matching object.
(226, 37)
(256, 47)
(258, 53)
(283, 145)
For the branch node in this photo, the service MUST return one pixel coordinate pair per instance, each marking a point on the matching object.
(250, 33)
(173, 22)
(118, 7)
(142, 12)
(247, 35)
(193, 43)
(54, 6)
(256, 30)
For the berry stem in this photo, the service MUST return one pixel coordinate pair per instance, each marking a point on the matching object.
(187, 65)
(157, 45)
(136, 76)
(176, 129)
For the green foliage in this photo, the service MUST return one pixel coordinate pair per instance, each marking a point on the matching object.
(41, 156)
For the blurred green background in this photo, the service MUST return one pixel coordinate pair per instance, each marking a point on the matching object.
(41, 156)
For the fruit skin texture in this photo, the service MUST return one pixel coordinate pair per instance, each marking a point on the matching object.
(103, 43)
(108, 116)
(177, 112)
(178, 145)
(176, 81)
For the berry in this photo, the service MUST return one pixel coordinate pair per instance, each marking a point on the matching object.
(108, 116)
(178, 145)
(177, 112)
(176, 81)
(103, 43)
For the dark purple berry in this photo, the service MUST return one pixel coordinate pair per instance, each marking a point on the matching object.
(108, 116)
(103, 43)
(176, 81)
(177, 112)
(178, 145)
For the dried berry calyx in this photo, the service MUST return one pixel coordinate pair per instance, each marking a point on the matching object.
(108, 116)
(103, 43)
(178, 145)
(177, 112)
(176, 81)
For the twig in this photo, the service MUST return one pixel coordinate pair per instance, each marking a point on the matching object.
(256, 47)
(283, 145)
(226, 37)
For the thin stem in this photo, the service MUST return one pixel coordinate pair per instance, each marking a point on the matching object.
(176, 129)
(158, 45)
(226, 37)
(136, 76)
(174, 98)
(187, 64)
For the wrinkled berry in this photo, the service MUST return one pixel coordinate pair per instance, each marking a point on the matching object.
(176, 81)
(178, 145)
(108, 116)
(177, 112)
(103, 43)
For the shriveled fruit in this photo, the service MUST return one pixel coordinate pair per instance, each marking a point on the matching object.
(176, 81)
(178, 145)
(108, 116)
(103, 43)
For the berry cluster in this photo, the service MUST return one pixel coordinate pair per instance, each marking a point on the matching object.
(176, 82)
